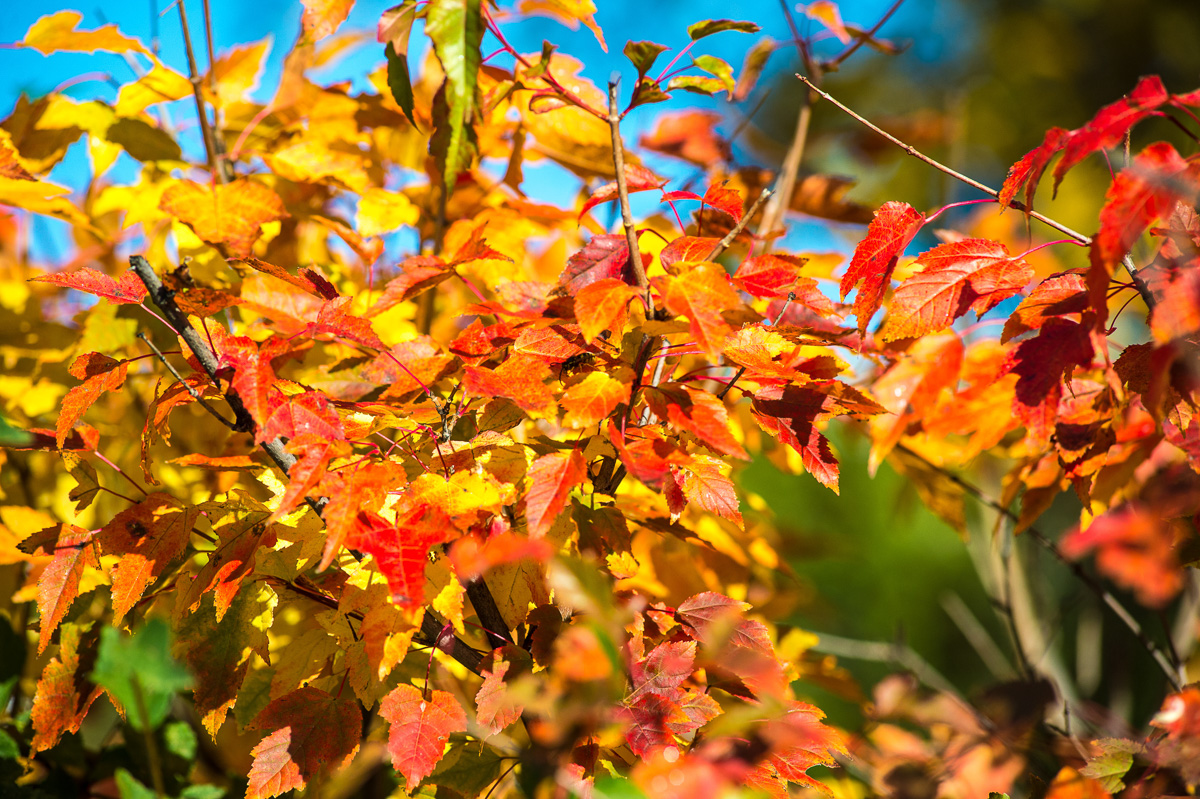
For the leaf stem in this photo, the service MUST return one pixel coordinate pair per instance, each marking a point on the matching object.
(187, 386)
(635, 256)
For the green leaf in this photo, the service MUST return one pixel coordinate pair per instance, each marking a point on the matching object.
(466, 768)
(181, 740)
(613, 787)
(9, 749)
(648, 91)
(456, 29)
(140, 672)
(697, 84)
(1112, 764)
(202, 792)
(717, 68)
(710, 26)
(643, 55)
(399, 82)
(129, 786)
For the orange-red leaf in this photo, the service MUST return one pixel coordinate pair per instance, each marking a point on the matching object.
(400, 549)
(102, 374)
(1136, 549)
(521, 379)
(664, 669)
(686, 249)
(725, 200)
(875, 257)
(603, 305)
(637, 178)
(471, 558)
(59, 583)
(313, 454)
(970, 274)
(551, 479)
(310, 731)
(605, 256)
(711, 489)
(231, 214)
(148, 537)
(645, 453)
(697, 412)
(1058, 295)
(494, 708)
(690, 135)
(768, 275)
(64, 693)
(128, 289)
(591, 400)
(701, 295)
(551, 344)
(791, 413)
(1028, 171)
(309, 280)
(419, 729)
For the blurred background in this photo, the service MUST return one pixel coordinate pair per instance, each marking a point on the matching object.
(973, 84)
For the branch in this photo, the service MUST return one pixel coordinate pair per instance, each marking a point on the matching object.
(1127, 262)
(1090, 582)
(487, 610)
(721, 246)
(187, 386)
(431, 630)
(860, 40)
(635, 256)
(215, 166)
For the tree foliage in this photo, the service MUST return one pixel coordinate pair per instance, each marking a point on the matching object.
(474, 509)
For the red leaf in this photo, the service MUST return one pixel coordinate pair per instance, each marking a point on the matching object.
(769, 275)
(663, 670)
(703, 610)
(970, 274)
(894, 226)
(494, 708)
(363, 487)
(799, 741)
(1058, 295)
(64, 692)
(476, 249)
(592, 399)
(1111, 123)
(148, 537)
(1177, 314)
(603, 305)
(711, 489)
(701, 295)
(336, 318)
(1040, 362)
(790, 413)
(652, 717)
(1180, 714)
(1028, 171)
(313, 454)
(292, 416)
(725, 200)
(551, 344)
(551, 479)
(637, 178)
(102, 374)
(698, 412)
(227, 568)
(400, 549)
(645, 454)
(419, 729)
(309, 280)
(521, 379)
(253, 378)
(686, 249)
(58, 584)
(128, 289)
(420, 272)
(605, 256)
(311, 731)
(1136, 549)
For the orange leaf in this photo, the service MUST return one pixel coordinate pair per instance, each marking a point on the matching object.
(701, 295)
(521, 379)
(829, 15)
(1136, 549)
(875, 257)
(1058, 295)
(697, 412)
(686, 249)
(603, 305)
(637, 178)
(64, 693)
(551, 344)
(769, 275)
(399, 549)
(104, 374)
(551, 479)
(311, 731)
(148, 537)
(711, 489)
(690, 135)
(313, 454)
(322, 17)
(725, 200)
(230, 214)
(605, 256)
(58, 584)
(308, 280)
(419, 729)
(970, 274)
(591, 400)
(128, 289)
(471, 558)
(494, 708)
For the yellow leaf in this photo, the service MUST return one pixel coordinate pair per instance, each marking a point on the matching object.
(449, 603)
(161, 84)
(57, 32)
(381, 211)
(238, 71)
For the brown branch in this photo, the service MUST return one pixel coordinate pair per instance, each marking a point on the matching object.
(635, 256)
(487, 610)
(721, 246)
(187, 386)
(1127, 261)
(210, 146)
(431, 630)
(1090, 582)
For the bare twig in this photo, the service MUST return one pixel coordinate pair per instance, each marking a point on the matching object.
(859, 41)
(721, 246)
(977, 637)
(186, 385)
(1127, 262)
(1090, 582)
(635, 256)
(206, 131)
(881, 652)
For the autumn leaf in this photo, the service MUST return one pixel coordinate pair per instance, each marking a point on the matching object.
(99, 374)
(551, 479)
(605, 256)
(322, 17)
(603, 306)
(700, 295)
(521, 378)
(686, 249)
(705, 484)
(495, 709)
(973, 274)
(58, 585)
(690, 135)
(1058, 295)
(894, 226)
(64, 691)
(568, 12)
(1027, 172)
(790, 413)
(128, 289)
(399, 548)
(229, 214)
(637, 178)
(58, 32)
(310, 731)
(1136, 549)
(419, 729)
(769, 275)
(697, 412)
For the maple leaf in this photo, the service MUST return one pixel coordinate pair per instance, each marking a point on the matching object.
(309, 280)
(697, 412)
(1058, 295)
(58, 32)
(1178, 313)
(399, 548)
(637, 178)
(551, 479)
(58, 584)
(1028, 171)
(768, 275)
(125, 290)
(364, 487)
(230, 214)
(663, 670)
(335, 317)
(592, 399)
(148, 537)
(894, 226)
(419, 729)
(605, 256)
(521, 378)
(1136, 549)
(1041, 362)
(310, 731)
(651, 717)
(471, 558)
(99, 374)
(686, 249)
(725, 200)
(702, 611)
(690, 135)
(701, 295)
(322, 17)
(309, 412)
(646, 454)
(494, 708)
(228, 566)
(64, 691)
(551, 344)
(711, 489)
(790, 413)
(973, 274)
(603, 305)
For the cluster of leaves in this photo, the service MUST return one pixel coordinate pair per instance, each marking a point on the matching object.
(472, 510)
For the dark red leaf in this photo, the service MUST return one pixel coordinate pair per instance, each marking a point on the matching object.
(894, 226)
(605, 256)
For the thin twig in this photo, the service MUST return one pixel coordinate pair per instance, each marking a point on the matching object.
(206, 132)
(859, 41)
(186, 385)
(881, 652)
(635, 256)
(1127, 261)
(1090, 582)
(791, 297)
(721, 246)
